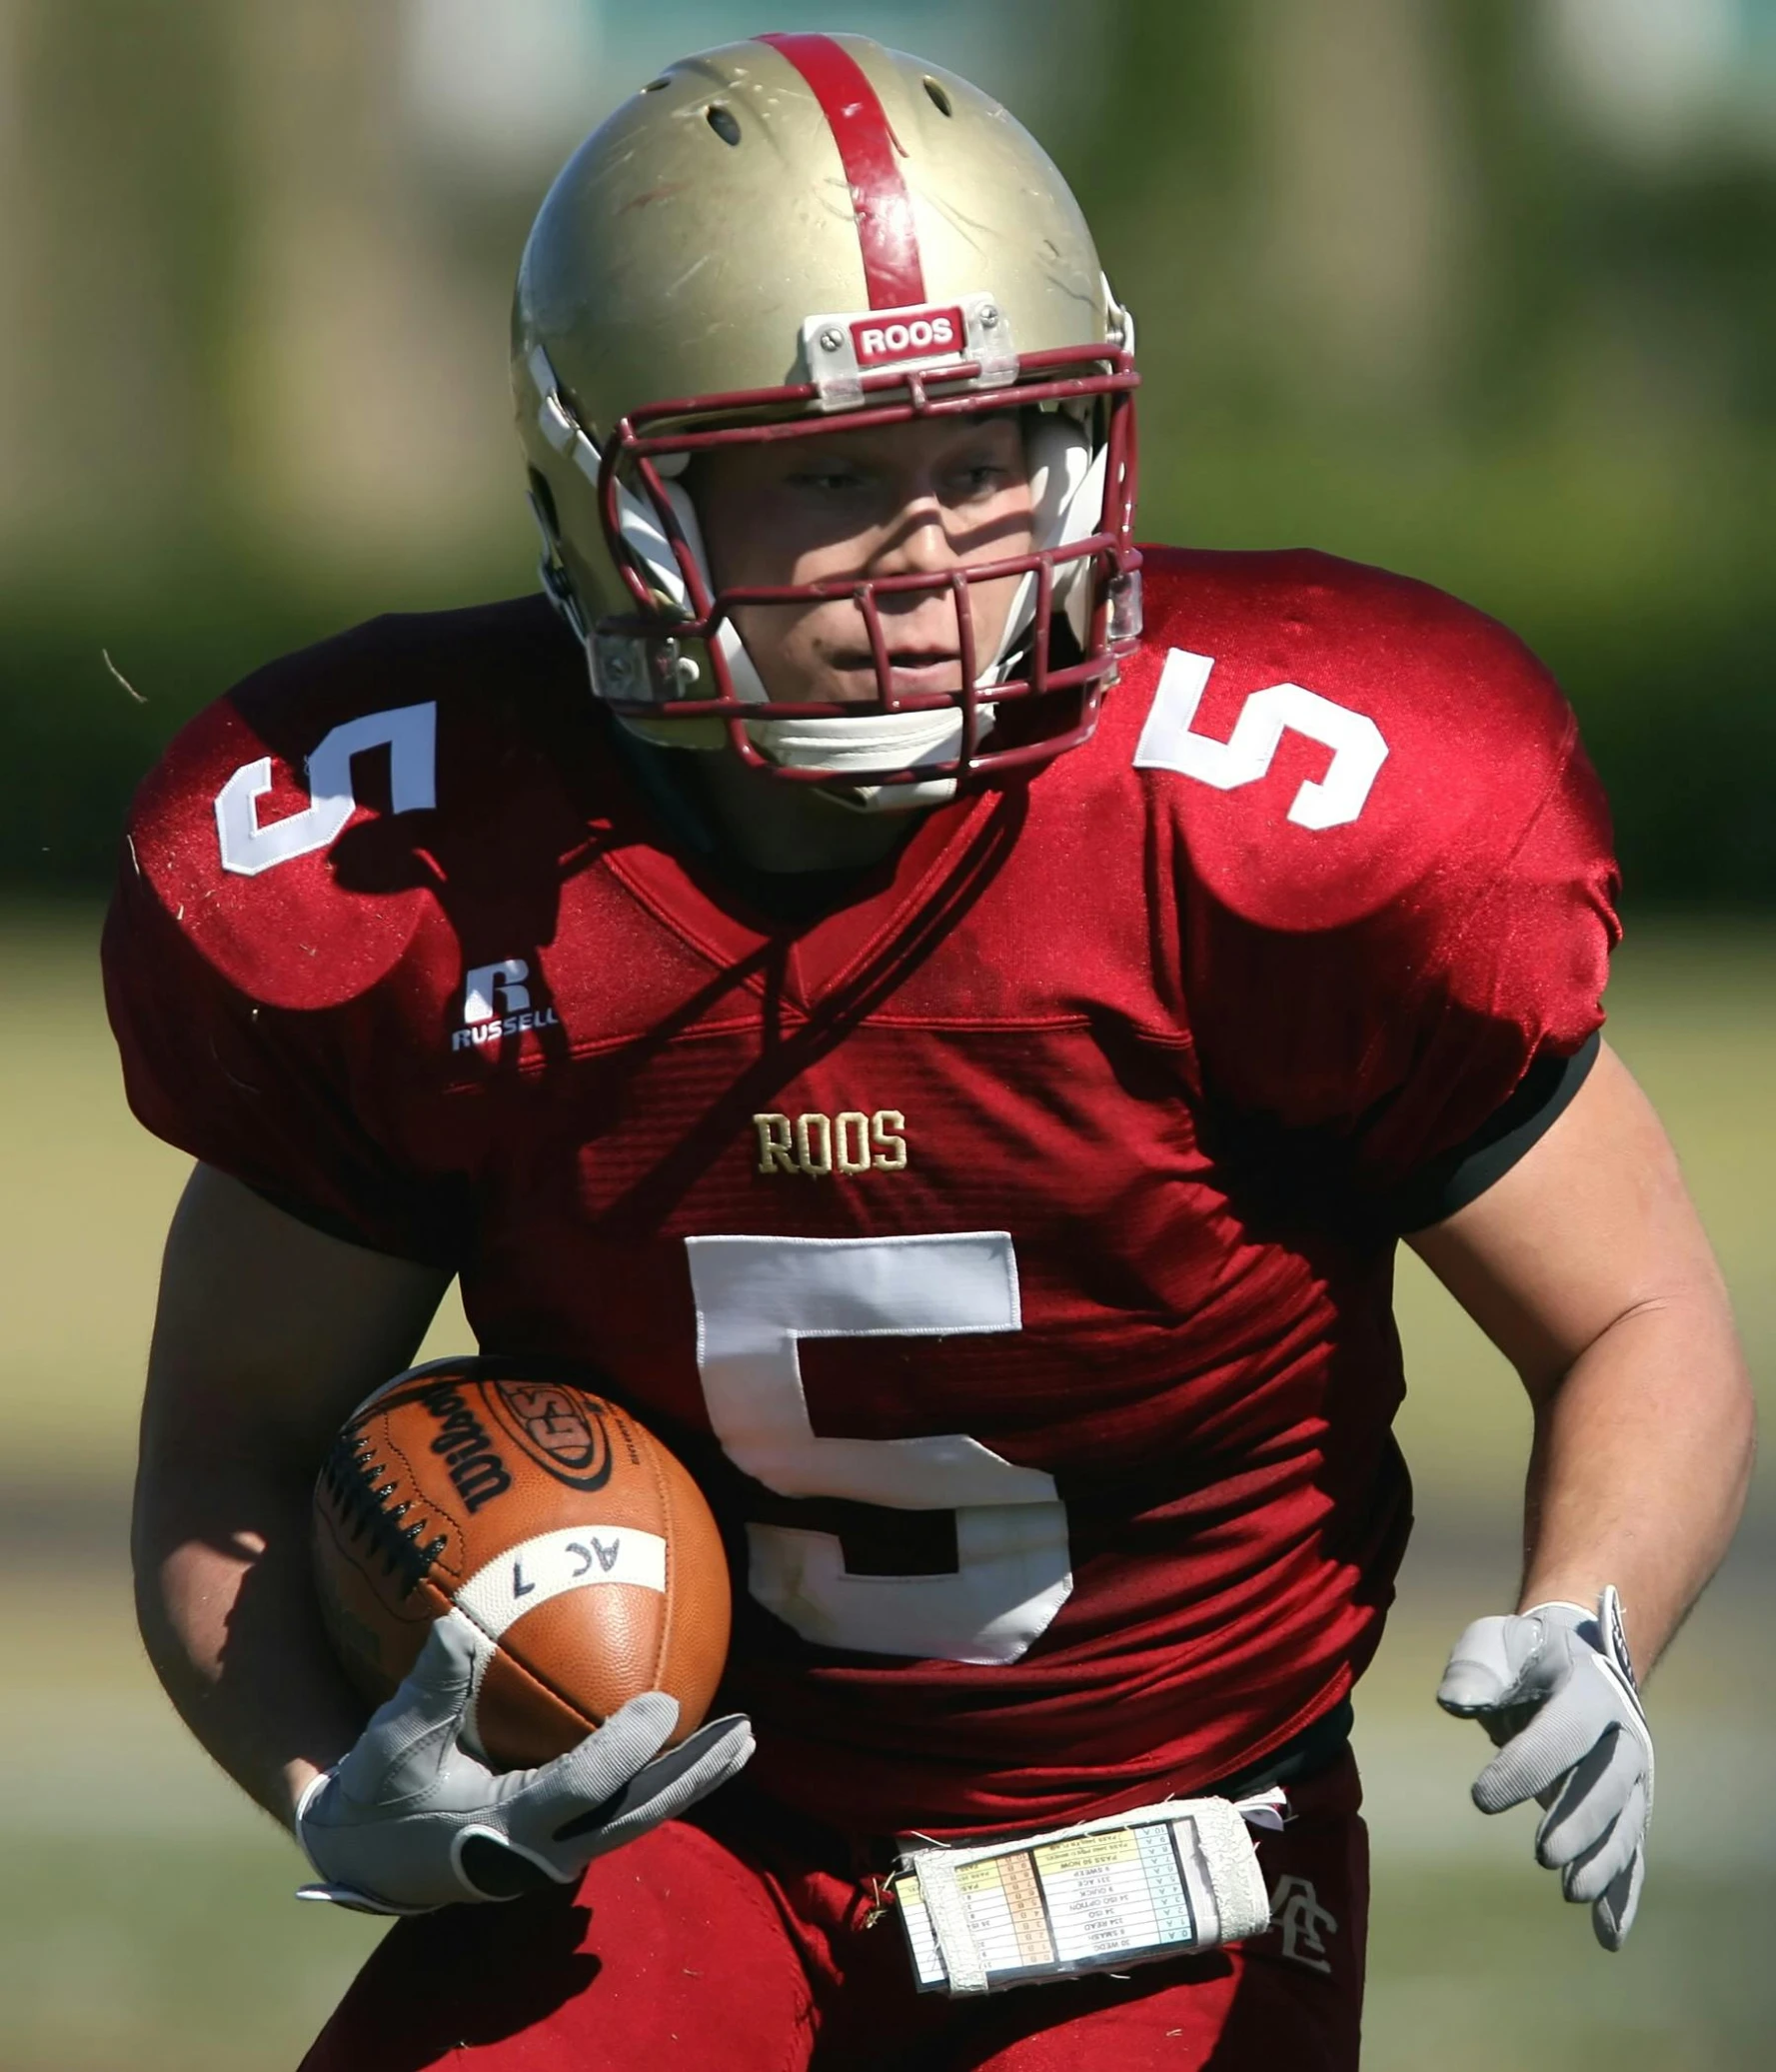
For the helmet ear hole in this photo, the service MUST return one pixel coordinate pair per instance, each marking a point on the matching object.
(937, 96)
(544, 499)
(723, 122)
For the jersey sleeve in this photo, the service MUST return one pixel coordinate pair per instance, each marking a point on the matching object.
(247, 1088)
(248, 1014)
(1495, 993)
(1378, 995)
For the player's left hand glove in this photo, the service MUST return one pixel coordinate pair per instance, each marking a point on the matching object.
(1554, 1688)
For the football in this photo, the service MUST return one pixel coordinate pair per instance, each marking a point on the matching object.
(548, 1516)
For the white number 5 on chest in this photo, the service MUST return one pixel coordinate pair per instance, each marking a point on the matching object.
(756, 1297)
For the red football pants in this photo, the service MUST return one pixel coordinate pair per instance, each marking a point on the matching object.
(746, 1941)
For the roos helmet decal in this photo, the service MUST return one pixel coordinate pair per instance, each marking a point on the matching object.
(918, 334)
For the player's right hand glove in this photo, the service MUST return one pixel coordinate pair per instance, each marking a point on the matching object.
(1554, 1688)
(410, 1819)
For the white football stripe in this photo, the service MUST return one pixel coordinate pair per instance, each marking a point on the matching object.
(572, 1558)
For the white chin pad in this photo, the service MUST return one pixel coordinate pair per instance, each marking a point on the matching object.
(871, 745)
(908, 798)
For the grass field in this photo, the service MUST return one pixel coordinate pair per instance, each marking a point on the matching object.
(145, 1916)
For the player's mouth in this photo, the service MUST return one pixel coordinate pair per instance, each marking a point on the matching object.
(911, 671)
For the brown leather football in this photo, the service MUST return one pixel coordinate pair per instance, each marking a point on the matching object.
(548, 1516)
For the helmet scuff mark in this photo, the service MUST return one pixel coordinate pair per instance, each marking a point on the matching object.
(691, 272)
(954, 216)
(665, 192)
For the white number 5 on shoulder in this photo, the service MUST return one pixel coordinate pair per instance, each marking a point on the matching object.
(1168, 741)
(409, 732)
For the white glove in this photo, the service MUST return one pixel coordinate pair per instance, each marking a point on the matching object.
(1554, 1688)
(409, 1819)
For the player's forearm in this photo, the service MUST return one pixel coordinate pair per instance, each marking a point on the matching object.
(1642, 1458)
(1588, 1267)
(228, 1617)
(267, 1333)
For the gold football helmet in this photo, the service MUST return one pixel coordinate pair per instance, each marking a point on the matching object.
(772, 239)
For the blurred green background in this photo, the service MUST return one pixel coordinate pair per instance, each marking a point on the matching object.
(1485, 290)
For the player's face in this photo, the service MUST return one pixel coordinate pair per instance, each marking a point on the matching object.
(923, 498)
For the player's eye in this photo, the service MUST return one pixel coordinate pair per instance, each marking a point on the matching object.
(829, 481)
(980, 479)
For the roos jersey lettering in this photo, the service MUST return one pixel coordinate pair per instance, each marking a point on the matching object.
(818, 1146)
(908, 334)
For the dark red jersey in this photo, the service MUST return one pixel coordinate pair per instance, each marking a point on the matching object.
(1008, 1249)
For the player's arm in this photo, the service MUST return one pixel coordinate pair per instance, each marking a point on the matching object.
(268, 1332)
(1587, 1266)
(267, 1335)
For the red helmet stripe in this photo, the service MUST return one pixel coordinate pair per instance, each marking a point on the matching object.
(871, 156)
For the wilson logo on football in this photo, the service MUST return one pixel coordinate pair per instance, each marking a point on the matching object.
(463, 1444)
(908, 334)
(559, 1431)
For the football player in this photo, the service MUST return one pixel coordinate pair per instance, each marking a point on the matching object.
(949, 1015)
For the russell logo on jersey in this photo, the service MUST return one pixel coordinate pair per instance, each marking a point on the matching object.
(496, 1002)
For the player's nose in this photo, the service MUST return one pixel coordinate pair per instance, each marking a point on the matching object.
(916, 541)
(920, 545)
